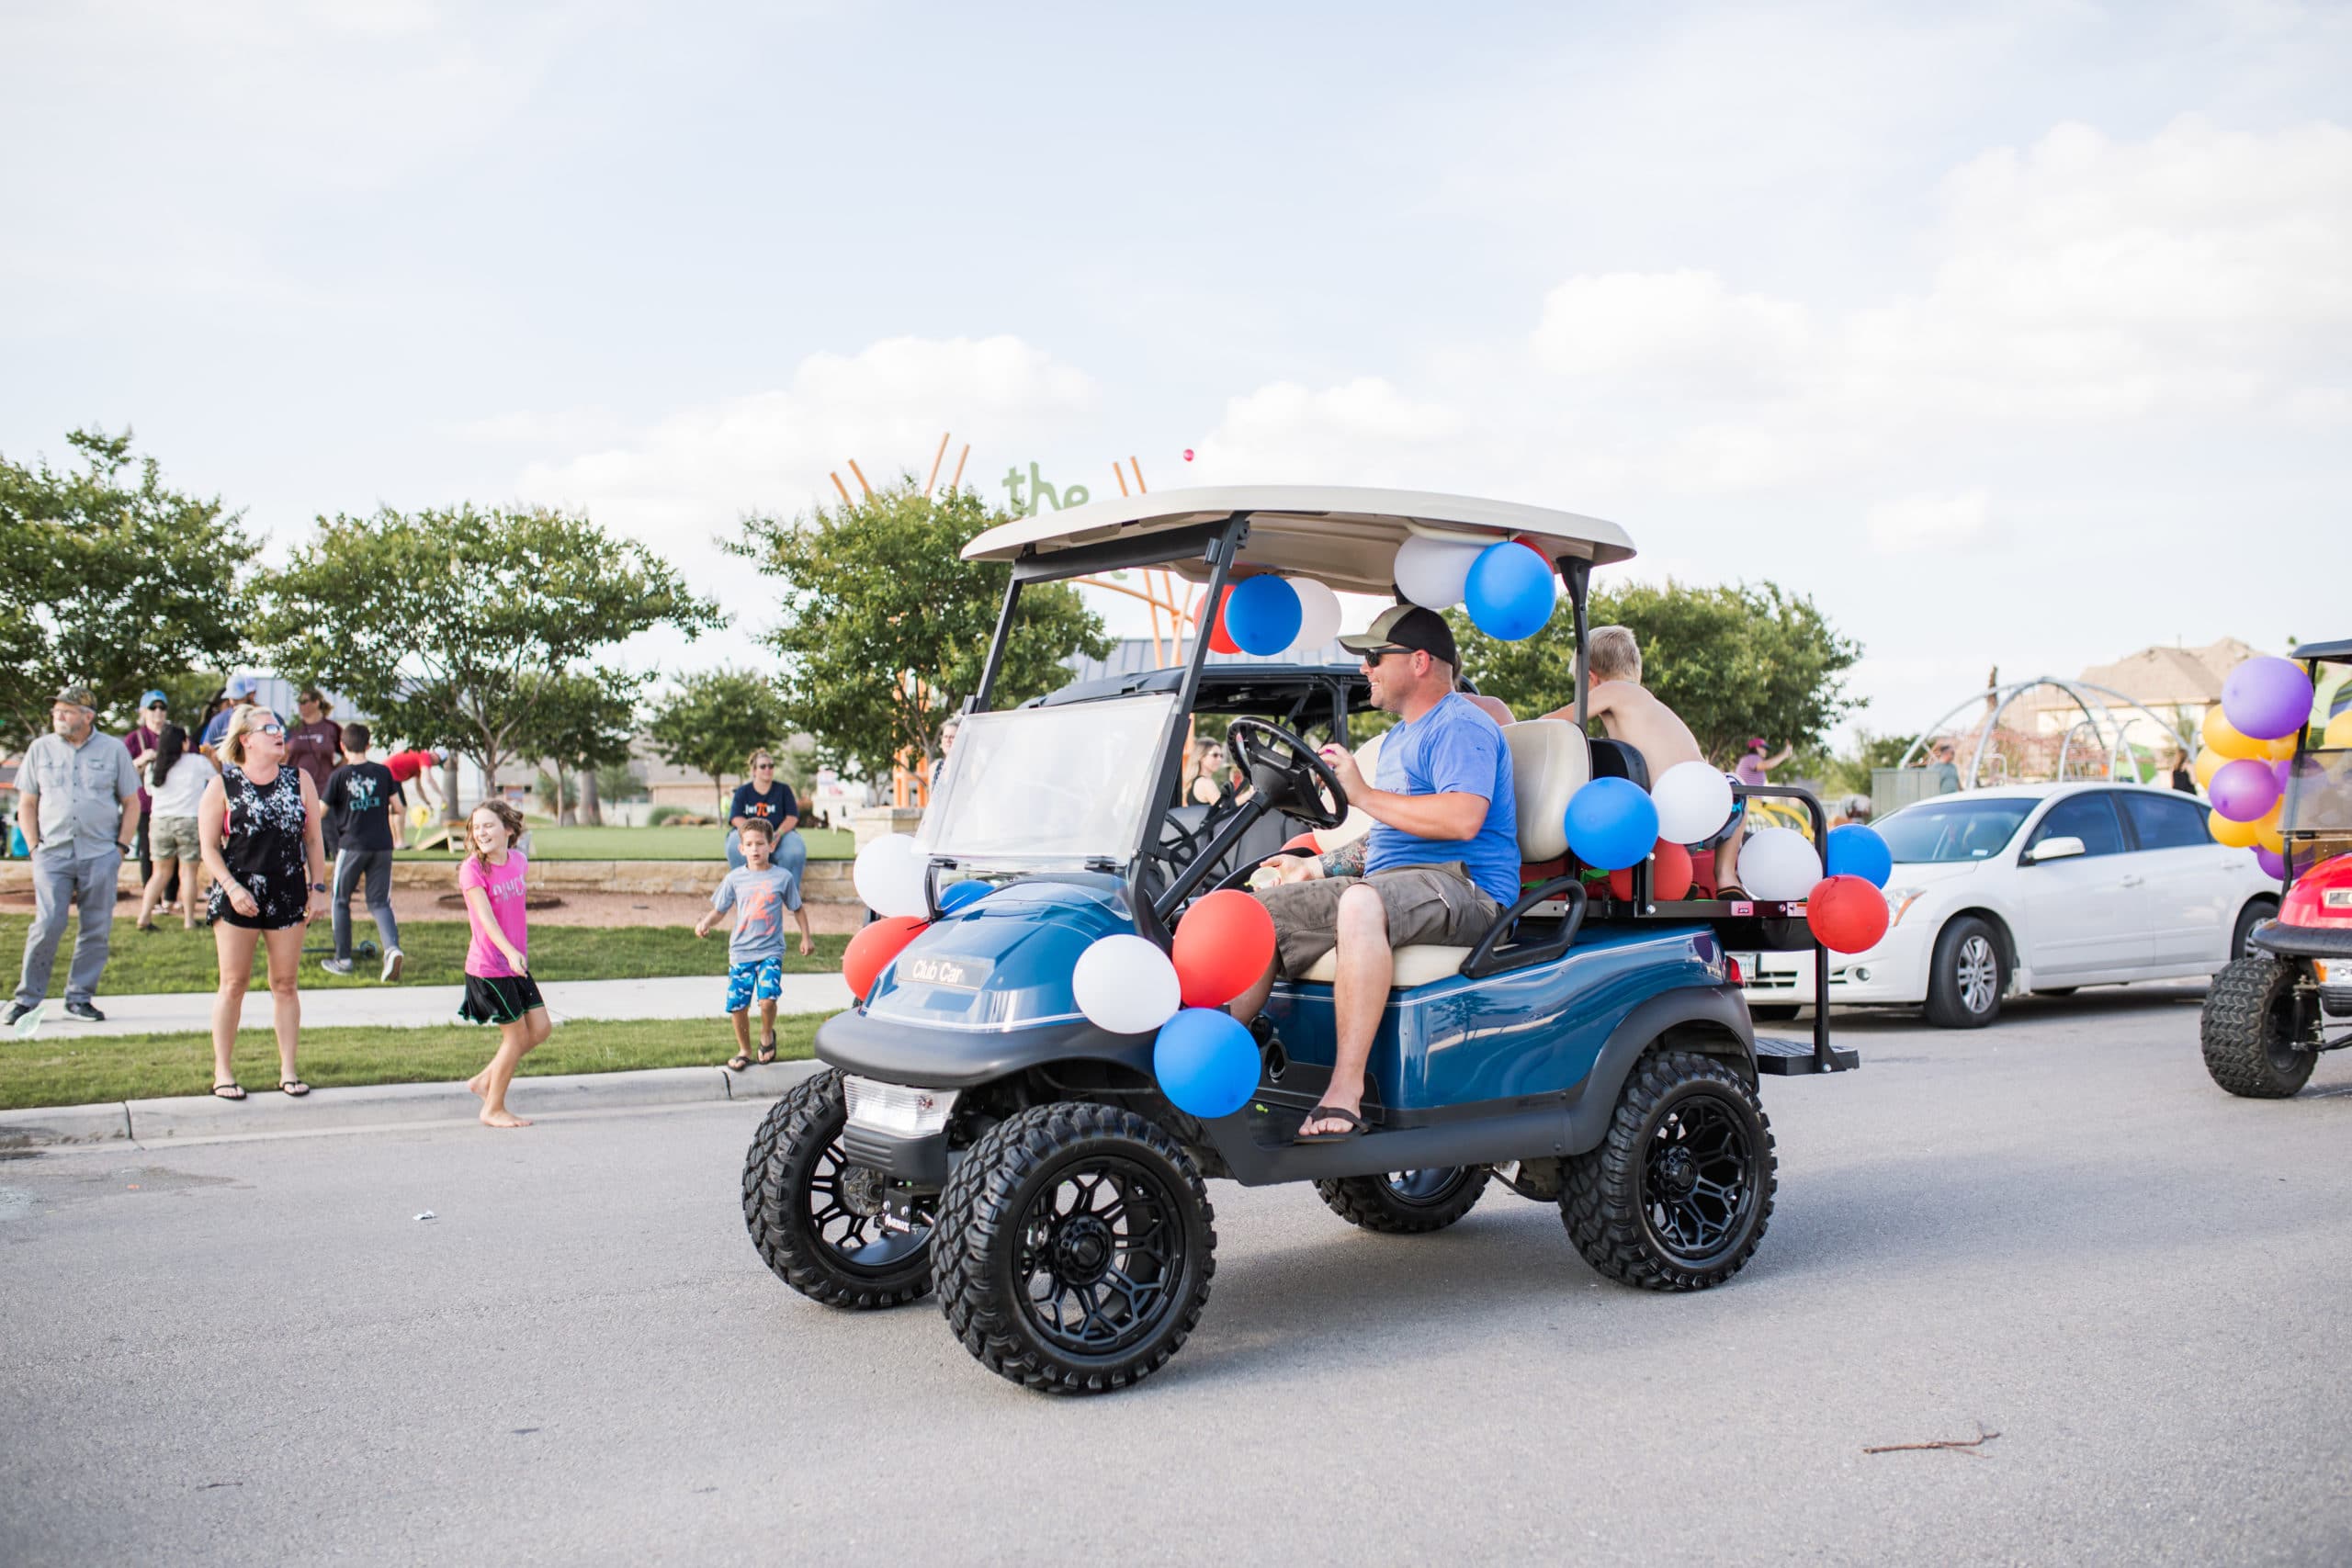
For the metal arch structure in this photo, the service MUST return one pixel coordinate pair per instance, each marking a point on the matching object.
(2098, 716)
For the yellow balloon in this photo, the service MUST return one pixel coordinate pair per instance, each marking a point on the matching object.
(2209, 762)
(2237, 835)
(2267, 834)
(2338, 736)
(2278, 750)
(2225, 738)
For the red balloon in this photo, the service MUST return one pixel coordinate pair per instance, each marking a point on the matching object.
(1223, 944)
(1300, 841)
(1846, 913)
(1188, 454)
(1669, 874)
(871, 950)
(1522, 539)
(1620, 882)
(1220, 640)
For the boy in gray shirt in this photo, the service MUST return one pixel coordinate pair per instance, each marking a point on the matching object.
(759, 892)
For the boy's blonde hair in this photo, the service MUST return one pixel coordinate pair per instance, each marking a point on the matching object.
(508, 817)
(247, 717)
(1611, 654)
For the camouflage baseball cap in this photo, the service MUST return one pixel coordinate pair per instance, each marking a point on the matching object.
(78, 696)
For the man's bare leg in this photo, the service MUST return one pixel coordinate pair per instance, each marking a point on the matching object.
(1359, 996)
(1727, 858)
(1252, 1003)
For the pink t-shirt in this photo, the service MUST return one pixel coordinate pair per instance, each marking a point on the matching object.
(503, 885)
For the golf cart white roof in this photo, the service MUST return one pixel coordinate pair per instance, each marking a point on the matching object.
(1344, 536)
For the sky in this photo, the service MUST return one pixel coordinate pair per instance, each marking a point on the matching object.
(2020, 336)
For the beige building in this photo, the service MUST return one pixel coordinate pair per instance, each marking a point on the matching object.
(2178, 685)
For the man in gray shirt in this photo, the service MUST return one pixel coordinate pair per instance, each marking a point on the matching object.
(78, 803)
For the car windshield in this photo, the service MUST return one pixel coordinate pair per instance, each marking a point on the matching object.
(1939, 831)
(1049, 786)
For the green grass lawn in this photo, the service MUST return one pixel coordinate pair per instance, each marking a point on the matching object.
(96, 1068)
(652, 843)
(172, 959)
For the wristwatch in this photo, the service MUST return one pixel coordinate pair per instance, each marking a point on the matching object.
(123, 847)
(318, 886)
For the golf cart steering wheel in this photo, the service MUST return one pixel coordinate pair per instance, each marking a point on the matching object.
(1289, 774)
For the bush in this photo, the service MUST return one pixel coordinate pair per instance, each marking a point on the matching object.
(677, 817)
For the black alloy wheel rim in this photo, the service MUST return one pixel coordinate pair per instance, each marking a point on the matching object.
(1100, 1251)
(1425, 1189)
(845, 1210)
(1698, 1181)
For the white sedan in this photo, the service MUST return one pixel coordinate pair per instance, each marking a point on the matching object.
(2036, 888)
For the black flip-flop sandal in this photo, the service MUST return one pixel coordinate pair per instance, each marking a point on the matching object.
(228, 1092)
(295, 1087)
(738, 1062)
(1332, 1113)
(767, 1050)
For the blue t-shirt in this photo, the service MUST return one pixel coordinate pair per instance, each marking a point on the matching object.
(760, 899)
(1453, 748)
(218, 728)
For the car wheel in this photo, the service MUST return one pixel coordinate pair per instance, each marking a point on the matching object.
(2248, 1030)
(2253, 915)
(1966, 977)
(1076, 1244)
(1406, 1202)
(1773, 1013)
(1678, 1195)
(815, 1219)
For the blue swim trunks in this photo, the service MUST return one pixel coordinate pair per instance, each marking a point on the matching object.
(760, 977)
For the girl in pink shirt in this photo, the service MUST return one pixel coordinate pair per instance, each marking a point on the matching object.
(499, 987)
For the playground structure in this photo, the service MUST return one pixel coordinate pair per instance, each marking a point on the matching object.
(2113, 737)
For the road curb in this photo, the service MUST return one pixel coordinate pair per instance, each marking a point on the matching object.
(381, 1107)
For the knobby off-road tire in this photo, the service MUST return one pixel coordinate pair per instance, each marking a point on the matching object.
(1679, 1194)
(1074, 1249)
(2248, 1030)
(815, 1219)
(1967, 976)
(1406, 1202)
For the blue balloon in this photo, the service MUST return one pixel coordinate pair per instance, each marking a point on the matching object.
(1510, 592)
(1856, 850)
(1206, 1062)
(956, 894)
(1612, 823)
(1262, 616)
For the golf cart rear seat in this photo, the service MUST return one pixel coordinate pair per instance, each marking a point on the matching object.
(1550, 760)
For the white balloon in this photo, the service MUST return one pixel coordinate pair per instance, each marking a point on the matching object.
(889, 875)
(1693, 802)
(1433, 572)
(1126, 986)
(1319, 612)
(1778, 864)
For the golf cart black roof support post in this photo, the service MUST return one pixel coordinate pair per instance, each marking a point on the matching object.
(1224, 544)
(1576, 573)
(978, 702)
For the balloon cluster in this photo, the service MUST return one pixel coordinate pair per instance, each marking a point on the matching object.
(1266, 615)
(889, 874)
(1203, 1058)
(1613, 825)
(2249, 740)
(1508, 587)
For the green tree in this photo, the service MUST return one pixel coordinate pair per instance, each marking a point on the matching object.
(454, 626)
(585, 721)
(113, 580)
(886, 628)
(713, 721)
(1732, 661)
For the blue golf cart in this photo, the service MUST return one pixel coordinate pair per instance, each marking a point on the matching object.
(976, 1136)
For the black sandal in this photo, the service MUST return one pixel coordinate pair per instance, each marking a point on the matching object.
(1332, 1113)
(295, 1087)
(228, 1092)
(767, 1050)
(738, 1062)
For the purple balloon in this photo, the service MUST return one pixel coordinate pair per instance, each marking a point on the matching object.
(2282, 769)
(2244, 790)
(2272, 864)
(2268, 698)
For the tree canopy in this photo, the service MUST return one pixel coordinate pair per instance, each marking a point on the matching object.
(115, 581)
(1733, 661)
(713, 721)
(455, 626)
(584, 721)
(886, 628)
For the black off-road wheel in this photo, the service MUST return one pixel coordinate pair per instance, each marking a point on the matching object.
(1075, 1248)
(815, 1219)
(1407, 1202)
(1966, 975)
(1678, 1195)
(2248, 1030)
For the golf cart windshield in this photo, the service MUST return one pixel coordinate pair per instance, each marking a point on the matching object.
(1935, 832)
(1049, 786)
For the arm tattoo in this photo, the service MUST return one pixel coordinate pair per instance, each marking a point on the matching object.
(1347, 860)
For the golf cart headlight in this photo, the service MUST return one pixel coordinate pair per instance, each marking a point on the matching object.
(897, 1109)
(1899, 901)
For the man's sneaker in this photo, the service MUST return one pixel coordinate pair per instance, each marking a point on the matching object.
(16, 1010)
(392, 962)
(85, 1012)
(335, 966)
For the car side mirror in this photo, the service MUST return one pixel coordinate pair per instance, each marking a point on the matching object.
(2063, 848)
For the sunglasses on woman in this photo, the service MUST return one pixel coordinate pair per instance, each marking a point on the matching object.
(276, 730)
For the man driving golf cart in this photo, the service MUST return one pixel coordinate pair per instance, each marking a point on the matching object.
(1440, 863)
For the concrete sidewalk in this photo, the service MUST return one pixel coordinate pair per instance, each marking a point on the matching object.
(409, 1007)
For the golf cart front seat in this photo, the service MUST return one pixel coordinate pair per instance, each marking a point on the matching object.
(1549, 762)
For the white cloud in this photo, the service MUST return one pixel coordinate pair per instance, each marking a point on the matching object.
(1361, 432)
(1681, 329)
(1922, 522)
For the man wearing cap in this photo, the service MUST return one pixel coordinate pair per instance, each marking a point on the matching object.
(240, 690)
(154, 712)
(1440, 863)
(78, 797)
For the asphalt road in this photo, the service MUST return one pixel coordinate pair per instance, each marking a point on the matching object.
(2056, 1230)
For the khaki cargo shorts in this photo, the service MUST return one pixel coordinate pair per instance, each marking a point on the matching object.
(173, 837)
(1433, 904)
